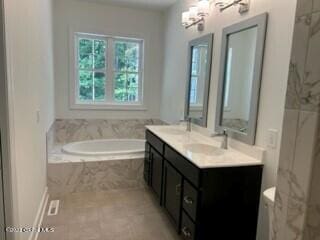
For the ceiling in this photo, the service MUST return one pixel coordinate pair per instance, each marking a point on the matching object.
(151, 4)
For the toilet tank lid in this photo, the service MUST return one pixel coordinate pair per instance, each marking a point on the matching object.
(269, 195)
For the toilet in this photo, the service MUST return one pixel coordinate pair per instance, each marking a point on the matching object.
(268, 196)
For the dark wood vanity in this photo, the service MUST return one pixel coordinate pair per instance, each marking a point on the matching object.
(203, 203)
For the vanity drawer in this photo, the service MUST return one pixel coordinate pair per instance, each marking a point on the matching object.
(155, 142)
(188, 228)
(191, 172)
(190, 200)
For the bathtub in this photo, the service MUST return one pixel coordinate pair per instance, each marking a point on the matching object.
(105, 147)
(96, 165)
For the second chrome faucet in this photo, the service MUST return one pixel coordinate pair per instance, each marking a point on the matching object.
(224, 134)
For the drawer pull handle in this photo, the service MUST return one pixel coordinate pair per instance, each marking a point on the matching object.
(188, 200)
(178, 189)
(186, 232)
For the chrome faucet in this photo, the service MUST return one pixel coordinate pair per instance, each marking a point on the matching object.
(224, 134)
(189, 124)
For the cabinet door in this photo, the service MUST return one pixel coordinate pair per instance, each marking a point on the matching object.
(172, 192)
(156, 172)
(147, 164)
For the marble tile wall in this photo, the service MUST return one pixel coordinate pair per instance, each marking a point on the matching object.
(98, 175)
(50, 140)
(297, 205)
(71, 130)
(75, 177)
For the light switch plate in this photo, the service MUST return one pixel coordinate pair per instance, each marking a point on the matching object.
(273, 135)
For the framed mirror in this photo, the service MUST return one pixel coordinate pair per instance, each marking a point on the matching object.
(199, 74)
(240, 78)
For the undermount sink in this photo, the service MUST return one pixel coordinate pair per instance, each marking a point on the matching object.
(206, 149)
(173, 131)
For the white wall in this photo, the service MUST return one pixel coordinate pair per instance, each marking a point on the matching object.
(30, 77)
(275, 72)
(146, 24)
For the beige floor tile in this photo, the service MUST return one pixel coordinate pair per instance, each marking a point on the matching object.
(143, 208)
(86, 231)
(110, 215)
(119, 228)
(83, 215)
(57, 220)
(59, 233)
(156, 225)
(80, 200)
(112, 211)
(149, 236)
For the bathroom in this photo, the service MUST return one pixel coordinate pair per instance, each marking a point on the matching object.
(117, 119)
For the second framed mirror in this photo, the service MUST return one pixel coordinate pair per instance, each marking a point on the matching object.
(199, 74)
(240, 78)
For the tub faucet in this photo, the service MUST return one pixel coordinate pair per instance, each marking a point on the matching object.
(224, 134)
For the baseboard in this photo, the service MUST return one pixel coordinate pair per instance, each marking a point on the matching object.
(39, 217)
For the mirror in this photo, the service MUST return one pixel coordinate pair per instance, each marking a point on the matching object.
(240, 77)
(197, 94)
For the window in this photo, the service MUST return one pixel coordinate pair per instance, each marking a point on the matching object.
(91, 69)
(194, 75)
(198, 74)
(108, 71)
(126, 71)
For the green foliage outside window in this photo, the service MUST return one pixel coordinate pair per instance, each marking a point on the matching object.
(126, 66)
(92, 64)
(92, 70)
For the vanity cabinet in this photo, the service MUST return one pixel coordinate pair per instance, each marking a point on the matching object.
(156, 172)
(147, 164)
(204, 203)
(172, 192)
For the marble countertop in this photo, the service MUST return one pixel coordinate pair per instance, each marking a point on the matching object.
(180, 142)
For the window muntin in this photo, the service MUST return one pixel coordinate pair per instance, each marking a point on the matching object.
(108, 70)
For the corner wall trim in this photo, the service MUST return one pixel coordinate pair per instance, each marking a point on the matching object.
(39, 217)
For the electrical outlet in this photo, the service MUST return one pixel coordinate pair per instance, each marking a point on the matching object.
(273, 138)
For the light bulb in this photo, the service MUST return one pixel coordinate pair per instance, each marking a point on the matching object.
(203, 8)
(185, 18)
(193, 13)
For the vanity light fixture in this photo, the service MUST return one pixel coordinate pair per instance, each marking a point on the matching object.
(225, 4)
(196, 15)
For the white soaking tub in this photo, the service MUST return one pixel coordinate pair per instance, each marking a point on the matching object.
(105, 147)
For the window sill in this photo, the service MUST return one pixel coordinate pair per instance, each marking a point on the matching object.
(109, 107)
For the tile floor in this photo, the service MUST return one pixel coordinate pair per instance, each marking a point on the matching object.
(112, 215)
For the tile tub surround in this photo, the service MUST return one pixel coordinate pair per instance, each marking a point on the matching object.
(83, 176)
(109, 215)
(297, 205)
(50, 138)
(71, 173)
(74, 130)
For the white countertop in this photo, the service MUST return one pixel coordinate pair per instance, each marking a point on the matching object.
(180, 142)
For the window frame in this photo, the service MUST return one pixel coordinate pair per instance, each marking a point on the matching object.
(109, 102)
